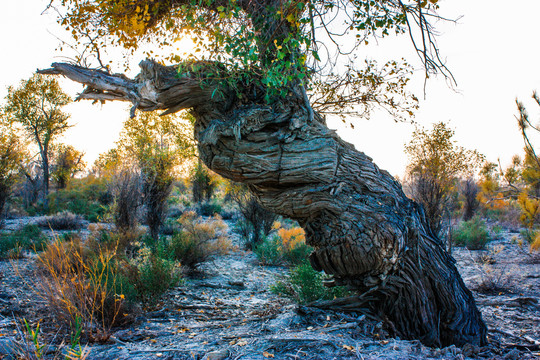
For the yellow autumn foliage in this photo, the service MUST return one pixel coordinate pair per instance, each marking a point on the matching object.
(530, 209)
(535, 246)
(291, 238)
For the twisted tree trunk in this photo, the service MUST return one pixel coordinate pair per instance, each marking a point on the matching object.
(365, 231)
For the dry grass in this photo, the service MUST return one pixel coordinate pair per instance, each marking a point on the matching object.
(64, 220)
(493, 280)
(199, 240)
(79, 286)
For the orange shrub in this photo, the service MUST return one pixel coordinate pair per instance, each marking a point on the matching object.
(291, 238)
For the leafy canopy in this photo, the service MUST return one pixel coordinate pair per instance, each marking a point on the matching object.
(37, 106)
(436, 164)
(283, 45)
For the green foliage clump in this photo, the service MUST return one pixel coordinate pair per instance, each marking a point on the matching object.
(286, 247)
(88, 197)
(147, 277)
(472, 234)
(209, 208)
(303, 284)
(203, 184)
(30, 237)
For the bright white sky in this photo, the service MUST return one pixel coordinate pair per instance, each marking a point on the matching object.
(493, 53)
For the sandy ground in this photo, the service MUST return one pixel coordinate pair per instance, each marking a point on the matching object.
(229, 312)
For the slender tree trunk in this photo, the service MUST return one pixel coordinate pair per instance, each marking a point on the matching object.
(46, 176)
(5, 191)
(365, 231)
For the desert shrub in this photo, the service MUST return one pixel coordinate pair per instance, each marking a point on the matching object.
(303, 284)
(287, 246)
(169, 227)
(121, 242)
(492, 280)
(198, 240)
(530, 210)
(472, 234)
(146, 277)
(64, 220)
(496, 231)
(79, 285)
(209, 208)
(535, 244)
(532, 238)
(257, 220)
(70, 236)
(29, 237)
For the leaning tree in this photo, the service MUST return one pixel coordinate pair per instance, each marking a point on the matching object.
(272, 70)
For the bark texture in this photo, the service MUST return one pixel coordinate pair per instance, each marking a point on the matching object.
(365, 231)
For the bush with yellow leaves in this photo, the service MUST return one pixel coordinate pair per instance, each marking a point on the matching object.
(283, 247)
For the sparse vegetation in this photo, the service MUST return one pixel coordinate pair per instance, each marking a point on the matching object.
(472, 234)
(28, 238)
(257, 220)
(303, 284)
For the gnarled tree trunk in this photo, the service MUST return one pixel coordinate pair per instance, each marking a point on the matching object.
(365, 231)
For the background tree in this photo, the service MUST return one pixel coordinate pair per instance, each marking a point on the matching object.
(255, 124)
(67, 162)
(435, 166)
(12, 153)
(531, 163)
(36, 105)
(258, 220)
(469, 191)
(529, 198)
(158, 145)
(202, 184)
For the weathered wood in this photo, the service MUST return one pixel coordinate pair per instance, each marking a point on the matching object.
(365, 231)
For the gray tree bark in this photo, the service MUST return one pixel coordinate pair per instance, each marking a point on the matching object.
(365, 231)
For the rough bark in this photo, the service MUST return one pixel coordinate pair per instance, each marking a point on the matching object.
(364, 230)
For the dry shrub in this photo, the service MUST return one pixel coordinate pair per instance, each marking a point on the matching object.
(80, 287)
(64, 220)
(531, 238)
(102, 237)
(126, 189)
(493, 280)
(257, 220)
(198, 240)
